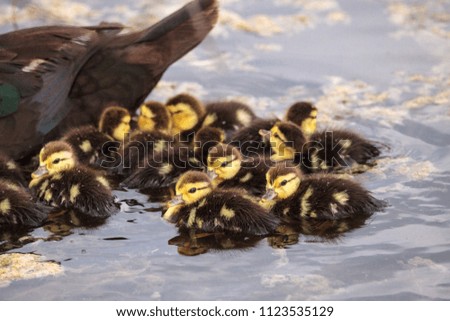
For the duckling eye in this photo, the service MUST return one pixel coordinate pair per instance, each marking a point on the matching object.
(224, 164)
(192, 190)
(283, 183)
(56, 161)
(176, 112)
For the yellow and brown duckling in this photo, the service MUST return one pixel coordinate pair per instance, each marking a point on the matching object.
(162, 168)
(228, 115)
(154, 116)
(229, 169)
(62, 182)
(11, 171)
(249, 140)
(152, 136)
(290, 195)
(197, 205)
(187, 113)
(91, 144)
(331, 148)
(206, 138)
(18, 208)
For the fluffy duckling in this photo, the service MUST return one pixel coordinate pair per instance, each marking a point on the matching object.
(61, 181)
(187, 114)
(154, 116)
(204, 139)
(291, 195)
(91, 144)
(287, 142)
(249, 140)
(228, 115)
(17, 207)
(162, 169)
(10, 170)
(227, 168)
(351, 146)
(197, 205)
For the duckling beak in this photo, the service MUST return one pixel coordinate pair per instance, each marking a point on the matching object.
(269, 195)
(211, 174)
(177, 200)
(42, 170)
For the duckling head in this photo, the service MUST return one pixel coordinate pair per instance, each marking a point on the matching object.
(191, 187)
(304, 115)
(154, 116)
(186, 112)
(55, 157)
(206, 138)
(224, 162)
(286, 140)
(282, 181)
(115, 122)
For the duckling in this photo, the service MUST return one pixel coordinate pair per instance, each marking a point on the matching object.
(228, 169)
(197, 205)
(249, 140)
(17, 207)
(91, 67)
(154, 116)
(290, 195)
(187, 113)
(62, 182)
(91, 144)
(228, 115)
(204, 139)
(351, 146)
(287, 142)
(10, 170)
(163, 167)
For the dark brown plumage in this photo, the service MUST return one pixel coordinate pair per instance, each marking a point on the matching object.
(228, 115)
(54, 78)
(204, 139)
(249, 140)
(10, 170)
(299, 111)
(17, 207)
(319, 196)
(62, 182)
(219, 210)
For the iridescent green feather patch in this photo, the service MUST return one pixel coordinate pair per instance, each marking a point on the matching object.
(9, 99)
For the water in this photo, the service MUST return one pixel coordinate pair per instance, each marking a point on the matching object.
(377, 67)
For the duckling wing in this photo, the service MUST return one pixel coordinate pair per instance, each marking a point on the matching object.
(37, 70)
(232, 211)
(124, 72)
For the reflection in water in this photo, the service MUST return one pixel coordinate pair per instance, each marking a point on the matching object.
(190, 243)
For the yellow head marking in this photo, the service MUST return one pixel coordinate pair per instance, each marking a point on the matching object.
(146, 120)
(309, 125)
(58, 162)
(278, 143)
(122, 129)
(5, 206)
(286, 185)
(184, 117)
(193, 192)
(225, 167)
